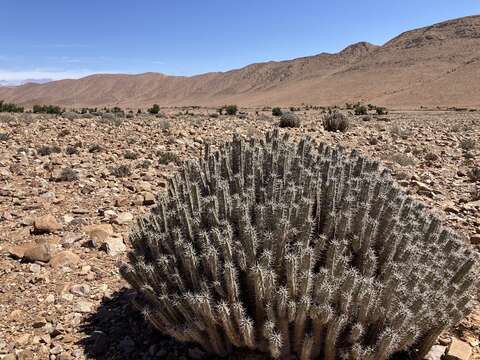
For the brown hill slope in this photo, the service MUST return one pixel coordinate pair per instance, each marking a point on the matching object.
(435, 65)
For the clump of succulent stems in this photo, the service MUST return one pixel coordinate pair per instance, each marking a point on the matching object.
(297, 250)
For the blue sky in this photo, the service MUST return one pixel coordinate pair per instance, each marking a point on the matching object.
(72, 38)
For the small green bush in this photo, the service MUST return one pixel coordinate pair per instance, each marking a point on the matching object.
(155, 109)
(47, 109)
(381, 110)
(10, 107)
(360, 110)
(276, 111)
(231, 109)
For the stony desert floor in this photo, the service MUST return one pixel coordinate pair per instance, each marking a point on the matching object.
(66, 204)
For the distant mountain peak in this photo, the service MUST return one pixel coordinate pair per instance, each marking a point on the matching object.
(358, 49)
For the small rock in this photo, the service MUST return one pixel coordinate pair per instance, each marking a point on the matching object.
(475, 239)
(138, 200)
(123, 218)
(64, 258)
(50, 299)
(45, 224)
(459, 350)
(103, 227)
(64, 356)
(98, 237)
(56, 350)
(25, 355)
(436, 352)
(39, 322)
(148, 198)
(35, 268)
(41, 252)
(80, 290)
(114, 246)
(70, 239)
(85, 269)
(83, 306)
(18, 251)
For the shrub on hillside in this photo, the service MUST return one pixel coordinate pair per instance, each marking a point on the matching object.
(299, 251)
(276, 111)
(381, 110)
(336, 121)
(360, 110)
(289, 120)
(155, 109)
(231, 109)
(47, 109)
(10, 107)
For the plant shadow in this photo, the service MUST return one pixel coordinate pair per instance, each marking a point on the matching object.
(117, 331)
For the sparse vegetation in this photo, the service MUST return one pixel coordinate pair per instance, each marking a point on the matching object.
(401, 159)
(47, 109)
(167, 157)
(95, 148)
(10, 107)
(144, 164)
(381, 110)
(130, 155)
(276, 111)
(121, 171)
(4, 136)
(45, 150)
(6, 118)
(72, 150)
(336, 121)
(360, 110)
(468, 144)
(474, 173)
(155, 109)
(231, 109)
(67, 174)
(289, 120)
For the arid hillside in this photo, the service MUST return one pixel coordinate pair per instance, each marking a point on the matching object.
(438, 65)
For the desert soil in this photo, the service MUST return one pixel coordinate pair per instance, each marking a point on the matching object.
(61, 296)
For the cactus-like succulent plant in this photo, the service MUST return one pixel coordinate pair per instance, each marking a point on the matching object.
(297, 249)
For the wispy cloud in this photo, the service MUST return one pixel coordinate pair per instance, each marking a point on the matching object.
(19, 75)
(61, 46)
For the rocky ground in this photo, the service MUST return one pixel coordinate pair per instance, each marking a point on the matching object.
(70, 189)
